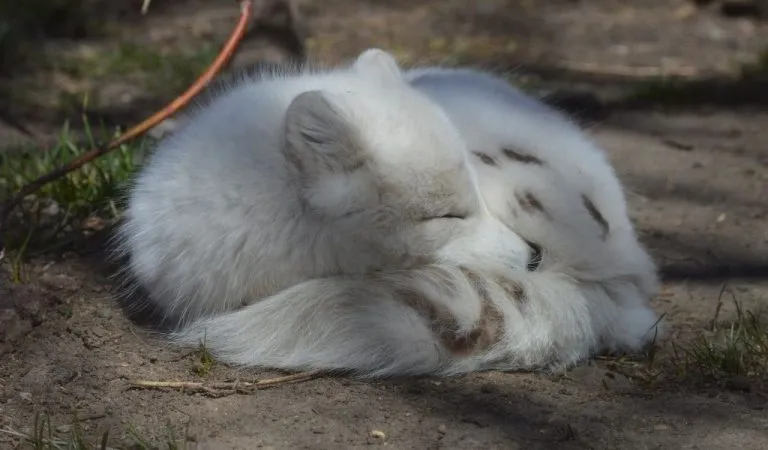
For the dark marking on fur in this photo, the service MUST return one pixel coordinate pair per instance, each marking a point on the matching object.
(521, 157)
(477, 283)
(596, 216)
(529, 202)
(460, 343)
(513, 289)
(490, 327)
(419, 302)
(355, 165)
(443, 324)
(485, 158)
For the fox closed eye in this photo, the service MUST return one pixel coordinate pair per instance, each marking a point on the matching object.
(446, 216)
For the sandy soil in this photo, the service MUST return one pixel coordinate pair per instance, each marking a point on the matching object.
(698, 182)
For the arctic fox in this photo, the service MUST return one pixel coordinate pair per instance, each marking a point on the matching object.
(387, 222)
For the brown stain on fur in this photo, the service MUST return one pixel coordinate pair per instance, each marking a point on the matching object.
(485, 158)
(490, 327)
(521, 157)
(440, 319)
(443, 324)
(596, 216)
(514, 290)
(461, 343)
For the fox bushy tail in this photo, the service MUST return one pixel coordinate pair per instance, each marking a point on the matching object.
(436, 320)
(370, 326)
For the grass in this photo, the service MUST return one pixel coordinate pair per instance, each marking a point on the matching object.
(158, 71)
(204, 361)
(54, 76)
(44, 436)
(53, 215)
(734, 348)
(731, 354)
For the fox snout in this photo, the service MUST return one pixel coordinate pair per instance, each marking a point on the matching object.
(486, 240)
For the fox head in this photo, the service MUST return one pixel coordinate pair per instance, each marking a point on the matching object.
(381, 162)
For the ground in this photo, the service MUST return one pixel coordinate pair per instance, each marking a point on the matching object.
(697, 179)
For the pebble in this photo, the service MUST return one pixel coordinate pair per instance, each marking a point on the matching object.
(378, 434)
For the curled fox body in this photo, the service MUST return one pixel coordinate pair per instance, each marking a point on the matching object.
(384, 221)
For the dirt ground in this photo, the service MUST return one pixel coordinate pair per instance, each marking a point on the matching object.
(697, 178)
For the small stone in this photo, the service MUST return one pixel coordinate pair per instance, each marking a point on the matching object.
(26, 396)
(442, 429)
(94, 223)
(60, 282)
(378, 434)
(660, 427)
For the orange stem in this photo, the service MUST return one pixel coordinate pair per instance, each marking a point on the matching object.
(246, 12)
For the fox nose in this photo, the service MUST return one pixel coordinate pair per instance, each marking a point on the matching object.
(512, 250)
(534, 260)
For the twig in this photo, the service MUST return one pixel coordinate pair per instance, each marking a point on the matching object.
(246, 12)
(222, 388)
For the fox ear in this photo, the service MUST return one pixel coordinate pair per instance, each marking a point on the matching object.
(326, 150)
(378, 64)
(318, 137)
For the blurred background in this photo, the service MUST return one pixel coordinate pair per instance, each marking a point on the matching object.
(59, 58)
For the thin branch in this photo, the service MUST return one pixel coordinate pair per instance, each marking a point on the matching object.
(246, 12)
(222, 388)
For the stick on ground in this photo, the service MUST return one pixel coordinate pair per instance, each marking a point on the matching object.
(223, 388)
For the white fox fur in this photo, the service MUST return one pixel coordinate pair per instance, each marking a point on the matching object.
(383, 222)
